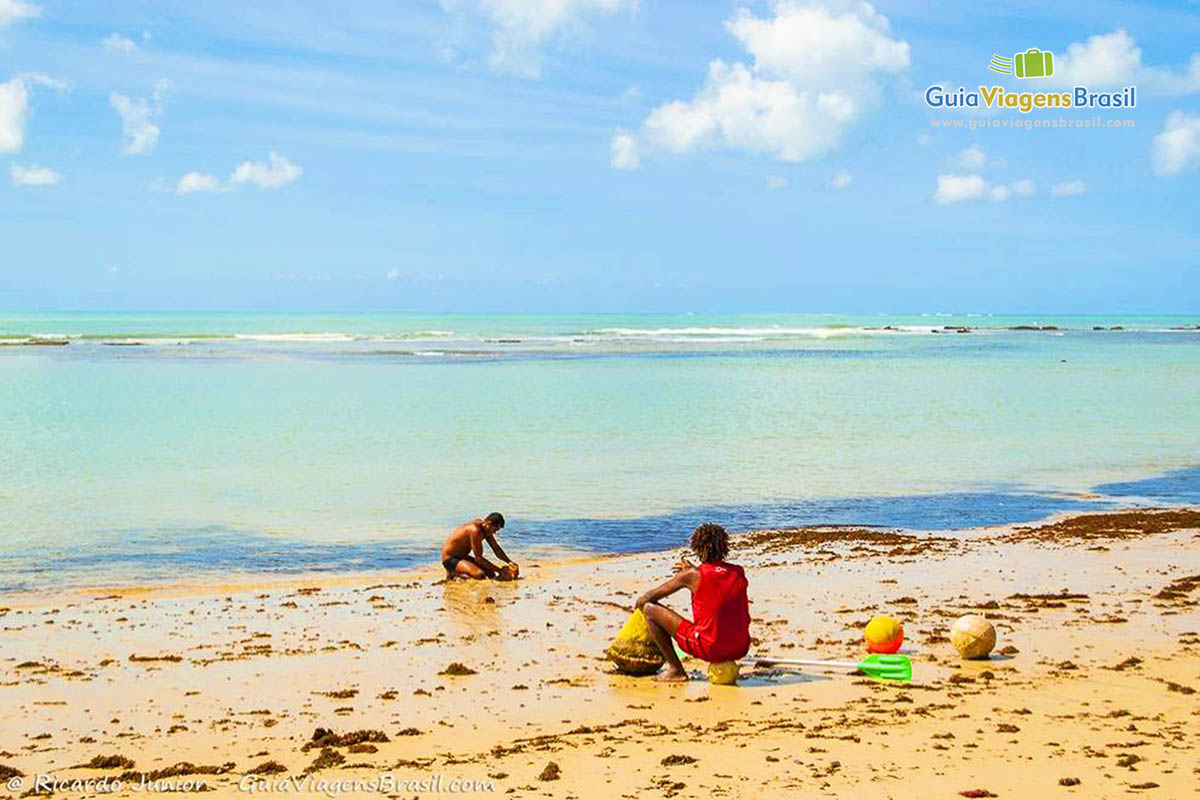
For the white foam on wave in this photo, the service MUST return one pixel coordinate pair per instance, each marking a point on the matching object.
(709, 331)
(294, 337)
(746, 334)
(419, 335)
(333, 336)
(710, 339)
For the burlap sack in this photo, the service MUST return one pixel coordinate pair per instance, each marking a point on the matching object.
(633, 651)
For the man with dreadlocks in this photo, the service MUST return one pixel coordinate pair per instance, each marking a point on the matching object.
(720, 630)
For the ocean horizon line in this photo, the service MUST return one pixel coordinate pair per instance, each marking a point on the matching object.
(592, 312)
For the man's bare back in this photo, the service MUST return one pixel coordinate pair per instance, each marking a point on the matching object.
(462, 554)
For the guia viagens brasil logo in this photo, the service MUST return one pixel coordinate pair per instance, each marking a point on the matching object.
(1032, 63)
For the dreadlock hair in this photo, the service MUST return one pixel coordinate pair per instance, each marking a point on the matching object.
(710, 542)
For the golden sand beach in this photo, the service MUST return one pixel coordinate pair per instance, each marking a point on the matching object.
(362, 685)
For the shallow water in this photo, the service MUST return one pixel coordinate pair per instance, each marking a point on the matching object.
(154, 445)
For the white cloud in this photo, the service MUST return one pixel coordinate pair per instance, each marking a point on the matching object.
(960, 188)
(14, 112)
(14, 107)
(776, 182)
(392, 274)
(34, 176)
(1024, 187)
(521, 27)
(1000, 192)
(1111, 60)
(1104, 60)
(815, 73)
(116, 43)
(809, 44)
(624, 151)
(971, 158)
(197, 182)
(841, 179)
(737, 110)
(136, 123)
(139, 119)
(957, 188)
(1068, 188)
(275, 172)
(974, 158)
(1178, 146)
(42, 79)
(16, 10)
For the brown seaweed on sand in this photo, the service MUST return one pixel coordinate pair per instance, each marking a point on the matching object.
(327, 759)
(1128, 663)
(171, 657)
(176, 770)
(1118, 525)
(1178, 590)
(323, 737)
(673, 760)
(455, 668)
(788, 539)
(107, 762)
(267, 768)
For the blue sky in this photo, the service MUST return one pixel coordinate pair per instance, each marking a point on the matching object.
(588, 155)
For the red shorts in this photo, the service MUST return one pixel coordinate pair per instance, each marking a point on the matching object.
(692, 642)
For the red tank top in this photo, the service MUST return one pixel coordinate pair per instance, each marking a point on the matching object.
(720, 608)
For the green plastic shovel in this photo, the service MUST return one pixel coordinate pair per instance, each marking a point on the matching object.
(884, 666)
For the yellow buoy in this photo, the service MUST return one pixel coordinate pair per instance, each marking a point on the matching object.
(973, 636)
(633, 651)
(724, 673)
(883, 635)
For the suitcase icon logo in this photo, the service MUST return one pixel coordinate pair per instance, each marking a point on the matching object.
(1033, 63)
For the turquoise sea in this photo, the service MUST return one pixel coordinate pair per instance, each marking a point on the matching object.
(152, 446)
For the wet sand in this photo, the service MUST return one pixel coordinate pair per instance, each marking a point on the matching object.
(1091, 693)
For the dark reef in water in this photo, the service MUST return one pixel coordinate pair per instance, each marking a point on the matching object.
(163, 555)
(1176, 486)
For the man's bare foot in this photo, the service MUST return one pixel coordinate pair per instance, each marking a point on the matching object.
(671, 676)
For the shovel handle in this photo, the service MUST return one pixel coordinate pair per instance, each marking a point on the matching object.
(800, 662)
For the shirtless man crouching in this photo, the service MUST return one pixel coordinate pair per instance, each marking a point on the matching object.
(462, 554)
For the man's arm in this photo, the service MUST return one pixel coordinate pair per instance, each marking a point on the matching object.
(477, 553)
(686, 579)
(497, 549)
